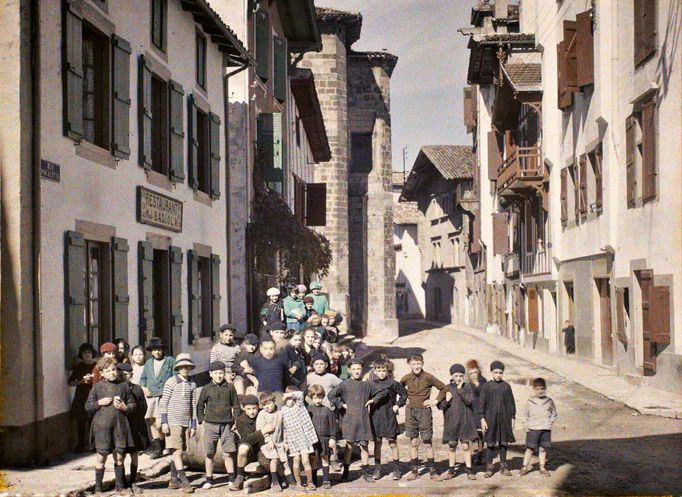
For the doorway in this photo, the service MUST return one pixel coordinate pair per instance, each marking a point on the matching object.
(604, 289)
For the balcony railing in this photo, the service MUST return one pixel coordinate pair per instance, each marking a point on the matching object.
(511, 264)
(539, 262)
(522, 163)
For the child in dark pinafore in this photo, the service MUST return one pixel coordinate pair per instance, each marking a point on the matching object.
(476, 382)
(498, 412)
(540, 417)
(81, 378)
(138, 425)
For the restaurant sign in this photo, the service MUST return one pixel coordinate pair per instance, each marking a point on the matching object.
(159, 210)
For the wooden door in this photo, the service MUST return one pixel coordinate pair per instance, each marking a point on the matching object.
(533, 321)
(605, 320)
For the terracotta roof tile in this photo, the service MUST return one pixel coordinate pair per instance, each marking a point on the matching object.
(452, 161)
(405, 213)
(524, 75)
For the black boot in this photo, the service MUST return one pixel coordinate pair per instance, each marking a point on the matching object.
(99, 476)
(156, 449)
(119, 472)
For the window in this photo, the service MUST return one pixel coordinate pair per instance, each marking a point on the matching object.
(582, 194)
(160, 128)
(203, 173)
(161, 295)
(204, 315)
(641, 168)
(299, 199)
(361, 153)
(98, 291)
(201, 60)
(574, 171)
(298, 131)
(564, 196)
(96, 75)
(645, 30)
(159, 16)
(595, 157)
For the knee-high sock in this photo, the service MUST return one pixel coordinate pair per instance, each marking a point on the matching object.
(503, 454)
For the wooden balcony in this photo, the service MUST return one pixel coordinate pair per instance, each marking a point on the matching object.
(539, 262)
(521, 171)
(511, 264)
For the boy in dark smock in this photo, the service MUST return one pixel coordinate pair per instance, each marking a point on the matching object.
(476, 382)
(138, 425)
(498, 412)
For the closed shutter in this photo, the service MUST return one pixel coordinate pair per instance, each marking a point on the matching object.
(193, 154)
(145, 113)
(501, 233)
(270, 147)
(121, 299)
(76, 332)
(585, 49)
(660, 314)
(570, 30)
(215, 294)
(72, 59)
(194, 295)
(583, 184)
(120, 107)
(620, 316)
(469, 115)
(533, 321)
(564, 196)
(177, 131)
(494, 154)
(316, 204)
(645, 29)
(262, 43)
(630, 150)
(146, 290)
(214, 121)
(280, 68)
(649, 150)
(175, 254)
(564, 97)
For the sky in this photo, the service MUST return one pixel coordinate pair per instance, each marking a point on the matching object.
(426, 87)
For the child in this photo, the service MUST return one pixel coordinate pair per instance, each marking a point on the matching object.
(321, 305)
(81, 378)
(296, 361)
(270, 370)
(278, 333)
(328, 320)
(309, 350)
(320, 376)
(293, 308)
(308, 310)
(299, 434)
(217, 409)
(540, 416)
(108, 402)
(249, 349)
(272, 311)
(178, 408)
(337, 365)
(476, 382)
(384, 416)
(569, 337)
(324, 421)
(156, 372)
(459, 426)
(137, 360)
(498, 410)
(354, 396)
(316, 324)
(273, 446)
(107, 349)
(227, 351)
(250, 439)
(138, 425)
(418, 415)
(123, 350)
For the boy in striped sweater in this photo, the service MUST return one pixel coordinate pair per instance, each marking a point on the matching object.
(178, 409)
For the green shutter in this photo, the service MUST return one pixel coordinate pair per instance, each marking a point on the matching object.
(280, 68)
(121, 299)
(72, 60)
(145, 113)
(193, 157)
(74, 261)
(194, 296)
(214, 120)
(175, 254)
(146, 290)
(262, 43)
(120, 145)
(177, 132)
(270, 147)
(215, 293)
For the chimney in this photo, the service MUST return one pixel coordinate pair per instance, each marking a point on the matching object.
(501, 14)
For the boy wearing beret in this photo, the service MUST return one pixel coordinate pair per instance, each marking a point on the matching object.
(498, 412)
(320, 305)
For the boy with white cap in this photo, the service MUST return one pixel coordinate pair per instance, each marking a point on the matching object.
(272, 311)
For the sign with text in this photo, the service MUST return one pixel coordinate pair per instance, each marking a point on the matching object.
(50, 170)
(159, 210)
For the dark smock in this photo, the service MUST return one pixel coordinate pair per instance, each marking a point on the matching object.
(356, 425)
(270, 314)
(569, 339)
(476, 404)
(138, 425)
(296, 357)
(78, 411)
(384, 420)
(324, 421)
(110, 429)
(458, 415)
(498, 408)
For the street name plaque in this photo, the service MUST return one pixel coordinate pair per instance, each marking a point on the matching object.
(159, 210)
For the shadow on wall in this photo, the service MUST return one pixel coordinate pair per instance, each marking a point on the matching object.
(409, 306)
(669, 47)
(438, 291)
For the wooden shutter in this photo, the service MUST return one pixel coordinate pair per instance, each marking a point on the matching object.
(316, 204)
(494, 154)
(214, 120)
(72, 60)
(583, 184)
(75, 269)
(121, 299)
(193, 153)
(575, 171)
(620, 316)
(215, 293)
(596, 159)
(120, 106)
(175, 254)
(585, 48)
(645, 29)
(649, 150)
(145, 113)
(570, 30)
(533, 321)
(469, 113)
(529, 220)
(564, 196)
(270, 147)
(146, 289)
(177, 131)
(630, 151)
(280, 68)
(194, 295)
(262, 42)
(660, 315)
(646, 278)
(564, 97)
(500, 233)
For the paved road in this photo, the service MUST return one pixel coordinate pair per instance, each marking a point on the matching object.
(600, 446)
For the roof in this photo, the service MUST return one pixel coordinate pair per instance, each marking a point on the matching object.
(524, 76)
(405, 213)
(385, 59)
(451, 162)
(497, 38)
(220, 33)
(308, 104)
(352, 22)
(299, 23)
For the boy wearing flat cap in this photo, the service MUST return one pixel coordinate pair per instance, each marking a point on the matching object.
(498, 412)
(227, 352)
(321, 305)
